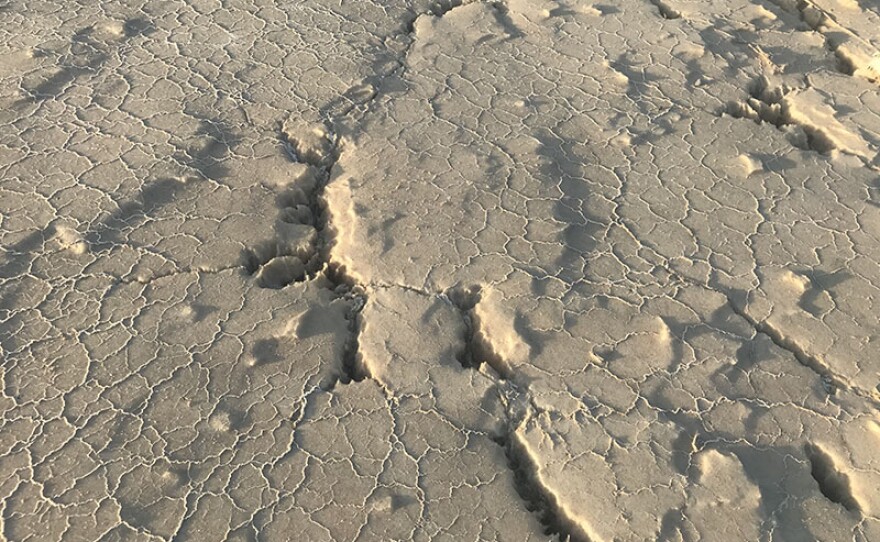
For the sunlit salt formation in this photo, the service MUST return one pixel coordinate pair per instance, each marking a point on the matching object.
(457, 270)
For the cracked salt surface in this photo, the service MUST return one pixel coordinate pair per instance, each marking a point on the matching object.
(509, 270)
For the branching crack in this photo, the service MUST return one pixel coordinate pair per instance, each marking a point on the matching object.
(303, 205)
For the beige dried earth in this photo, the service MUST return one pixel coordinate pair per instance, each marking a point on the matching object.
(414, 270)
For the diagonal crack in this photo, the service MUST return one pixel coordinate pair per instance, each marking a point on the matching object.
(829, 381)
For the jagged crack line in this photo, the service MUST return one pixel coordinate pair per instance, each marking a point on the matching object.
(322, 156)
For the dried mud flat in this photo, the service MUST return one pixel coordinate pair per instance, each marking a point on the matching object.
(380, 270)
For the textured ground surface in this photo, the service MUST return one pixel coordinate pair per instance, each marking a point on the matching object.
(387, 270)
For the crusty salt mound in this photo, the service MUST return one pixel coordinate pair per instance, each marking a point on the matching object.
(458, 270)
